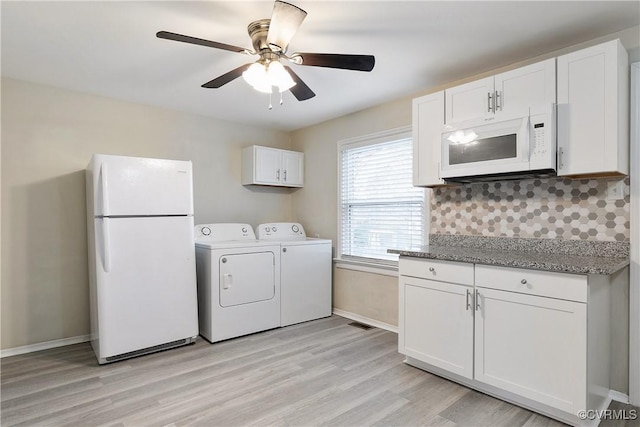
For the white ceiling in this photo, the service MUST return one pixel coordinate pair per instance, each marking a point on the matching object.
(110, 49)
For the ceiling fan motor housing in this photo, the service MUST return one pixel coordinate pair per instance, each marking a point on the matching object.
(258, 31)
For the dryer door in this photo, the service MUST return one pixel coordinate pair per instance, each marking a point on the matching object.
(247, 278)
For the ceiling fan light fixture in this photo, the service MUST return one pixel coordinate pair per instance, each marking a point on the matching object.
(278, 76)
(255, 75)
(263, 77)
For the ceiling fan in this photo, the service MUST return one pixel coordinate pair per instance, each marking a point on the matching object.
(270, 39)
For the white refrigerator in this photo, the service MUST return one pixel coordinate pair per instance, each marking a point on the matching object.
(143, 292)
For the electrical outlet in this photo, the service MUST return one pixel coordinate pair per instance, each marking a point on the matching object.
(615, 190)
(317, 235)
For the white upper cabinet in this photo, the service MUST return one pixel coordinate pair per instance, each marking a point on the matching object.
(516, 93)
(593, 110)
(292, 168)
(272, 166)
(267, 165)
(428, 121)
(471, 101)
(527, 90)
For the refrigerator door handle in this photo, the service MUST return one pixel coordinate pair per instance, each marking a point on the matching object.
(105, 189)
(105, 241)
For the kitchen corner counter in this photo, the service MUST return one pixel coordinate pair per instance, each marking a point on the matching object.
(578, 257)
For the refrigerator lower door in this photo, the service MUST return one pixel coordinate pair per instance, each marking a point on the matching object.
(146, 293)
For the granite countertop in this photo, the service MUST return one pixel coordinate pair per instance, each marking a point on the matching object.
(539, 254)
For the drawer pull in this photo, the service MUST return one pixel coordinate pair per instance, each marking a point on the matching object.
(523, 281)
(431, 269)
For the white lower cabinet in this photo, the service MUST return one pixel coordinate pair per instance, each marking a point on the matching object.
(532, 346)
(534, 338)
(448, 341)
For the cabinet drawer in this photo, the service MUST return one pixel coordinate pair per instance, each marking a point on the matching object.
(442, 271)
(572, 287)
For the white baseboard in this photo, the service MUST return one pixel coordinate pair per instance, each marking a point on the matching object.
(366, 320)
(44, 345)
(618, 396)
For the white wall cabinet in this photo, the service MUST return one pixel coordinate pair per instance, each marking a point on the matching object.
(427, 127)
(470, 101)
(593, 111)
(272, 166)
(532, 337)
(516, 93)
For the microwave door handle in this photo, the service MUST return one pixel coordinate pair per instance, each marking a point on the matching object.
(526, 146)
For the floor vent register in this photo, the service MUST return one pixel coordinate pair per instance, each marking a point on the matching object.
(360, 325)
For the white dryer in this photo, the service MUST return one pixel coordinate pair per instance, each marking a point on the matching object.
(305, 272)
(238, 281)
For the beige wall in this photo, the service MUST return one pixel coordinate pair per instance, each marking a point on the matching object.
(315, 205)
(48, 137)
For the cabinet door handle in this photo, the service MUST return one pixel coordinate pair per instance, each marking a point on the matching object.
(278, 174)
(468, 302)
(285, 175)
(560, 157)
(498, 101)
(477, 300)
(489, 99)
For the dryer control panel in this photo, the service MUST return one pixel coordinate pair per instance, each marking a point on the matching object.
(223, 232)
(281, 231)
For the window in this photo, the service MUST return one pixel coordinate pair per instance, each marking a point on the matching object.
(379, 206)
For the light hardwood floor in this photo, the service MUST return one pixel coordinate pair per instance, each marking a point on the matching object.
(323, 372)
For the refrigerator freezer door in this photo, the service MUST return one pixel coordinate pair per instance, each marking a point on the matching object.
(148, 296)
(134, 186)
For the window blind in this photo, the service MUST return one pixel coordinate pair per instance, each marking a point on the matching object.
(380, 207)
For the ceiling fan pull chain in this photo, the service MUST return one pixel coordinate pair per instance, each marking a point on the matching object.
(270, 106)
(281, 102)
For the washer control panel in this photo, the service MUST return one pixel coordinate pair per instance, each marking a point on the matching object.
(223, 232)
(281, 231)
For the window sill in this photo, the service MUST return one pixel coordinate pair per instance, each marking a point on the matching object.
(367, 267)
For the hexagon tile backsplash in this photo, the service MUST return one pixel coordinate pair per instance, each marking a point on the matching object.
(554, 208)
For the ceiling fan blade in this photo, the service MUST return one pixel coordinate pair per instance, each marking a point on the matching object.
(202, 42)
(337, 60)
(226, 78)
(285, 21)
(301, 91)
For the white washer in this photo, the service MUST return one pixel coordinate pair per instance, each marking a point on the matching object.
(238, 281)
(305, 272)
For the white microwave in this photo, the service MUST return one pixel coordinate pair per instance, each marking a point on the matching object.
(519, 147)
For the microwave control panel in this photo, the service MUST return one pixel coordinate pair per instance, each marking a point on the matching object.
(542, 154)
(539, 140)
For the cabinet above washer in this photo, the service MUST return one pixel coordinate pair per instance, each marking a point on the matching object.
(272, 166)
